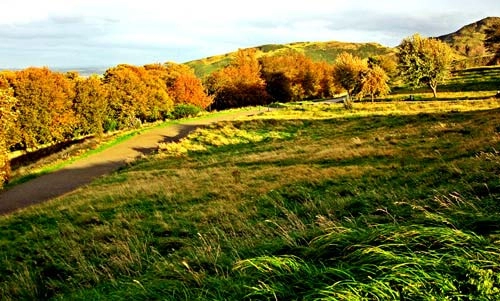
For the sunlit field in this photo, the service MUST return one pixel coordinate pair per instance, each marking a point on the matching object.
(388, 201)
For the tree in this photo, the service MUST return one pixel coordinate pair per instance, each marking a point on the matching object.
(294, 76)
(374, 82)
(424, 61)
(44, 106)
(90, 105)
(7, 116)
(348, 72)
(239, 84)
(183, 85)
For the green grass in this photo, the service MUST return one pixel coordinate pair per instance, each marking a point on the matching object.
(390, 201)
(471, 83)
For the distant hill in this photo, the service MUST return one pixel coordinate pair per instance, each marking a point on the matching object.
(317, 51)
(468, 41)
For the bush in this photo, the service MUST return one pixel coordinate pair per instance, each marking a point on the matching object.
(185, 110)
(110, 125)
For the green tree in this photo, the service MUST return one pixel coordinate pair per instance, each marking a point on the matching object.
(7, 116)
(424, 61)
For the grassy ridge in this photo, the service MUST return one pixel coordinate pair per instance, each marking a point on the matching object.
(317, 51)
(388, 201)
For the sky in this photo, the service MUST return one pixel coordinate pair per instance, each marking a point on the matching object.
(104, 33)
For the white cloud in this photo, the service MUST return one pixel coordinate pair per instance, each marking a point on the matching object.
(107, 32)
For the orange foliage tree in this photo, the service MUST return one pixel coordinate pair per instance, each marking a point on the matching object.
(294, 76)
(7, 115)
(184, 86)
(136, 95)
(44, 106)
(240, 83)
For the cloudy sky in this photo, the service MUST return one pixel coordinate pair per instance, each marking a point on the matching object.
(103, 33)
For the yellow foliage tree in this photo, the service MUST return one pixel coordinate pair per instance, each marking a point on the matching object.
(424, 61)
(348, 72)
(374, 82)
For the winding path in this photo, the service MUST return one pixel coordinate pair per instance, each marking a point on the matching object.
(83, 171)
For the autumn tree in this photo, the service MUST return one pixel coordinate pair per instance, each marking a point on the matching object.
(374, 82)
(7, 115)
(239, 84)
(136, 95)
(294, 76)
(44, 106)
(126, 95)
(424, 61)
(184, 86)
(348, 72)
(90, 105)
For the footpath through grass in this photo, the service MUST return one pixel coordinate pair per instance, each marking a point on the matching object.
(386, 202)
(83, 150)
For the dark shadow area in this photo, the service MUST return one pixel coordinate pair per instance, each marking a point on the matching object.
(32, 157)
(184, 130)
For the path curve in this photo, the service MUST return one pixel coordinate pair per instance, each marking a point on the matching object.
(83, 171)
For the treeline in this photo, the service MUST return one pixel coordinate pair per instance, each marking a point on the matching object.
(292, 76)
(46, 107)
(52, 107)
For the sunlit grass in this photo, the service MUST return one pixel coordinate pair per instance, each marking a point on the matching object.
(388, 201)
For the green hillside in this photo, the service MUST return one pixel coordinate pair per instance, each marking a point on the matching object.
(317, 51)
(309, 202)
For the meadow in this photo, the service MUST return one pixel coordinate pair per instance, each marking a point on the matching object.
(388, 201)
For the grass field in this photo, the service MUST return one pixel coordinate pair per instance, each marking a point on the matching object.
(389, 201)
(472, 83)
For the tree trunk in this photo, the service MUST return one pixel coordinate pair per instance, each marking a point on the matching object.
(434, 90)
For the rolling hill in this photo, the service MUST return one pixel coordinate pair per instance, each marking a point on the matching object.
(469, 41)
(317, 51)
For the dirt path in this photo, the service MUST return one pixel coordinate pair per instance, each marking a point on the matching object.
(83, 171)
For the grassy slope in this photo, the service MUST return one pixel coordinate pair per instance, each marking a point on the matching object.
(387, 201)
(318, 51)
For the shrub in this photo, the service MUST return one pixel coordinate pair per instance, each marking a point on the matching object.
(185, 110)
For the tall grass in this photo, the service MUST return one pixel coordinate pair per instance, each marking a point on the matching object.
(385, 202)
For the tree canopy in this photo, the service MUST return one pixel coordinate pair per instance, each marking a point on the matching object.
(240, 83)
(424, 61)
(7, 115)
